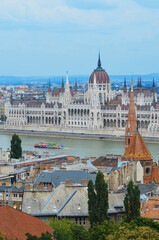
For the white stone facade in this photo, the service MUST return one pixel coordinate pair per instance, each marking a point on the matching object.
(88, 112)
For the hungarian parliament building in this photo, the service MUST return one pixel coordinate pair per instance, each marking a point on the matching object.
(97, 110)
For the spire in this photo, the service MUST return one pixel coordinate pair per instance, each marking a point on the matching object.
(125, 82)
(153, 83)
(140, 83)
(67, 79)
(62, 85)
(49, 88)
(132, 86)
(76, 83)
(67, 87)
(99, 61)
(131, 123)
(125, 90)
(153, 88)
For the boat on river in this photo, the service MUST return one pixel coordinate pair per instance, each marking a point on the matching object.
(48, 145)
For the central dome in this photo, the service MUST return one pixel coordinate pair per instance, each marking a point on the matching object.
(101, 75)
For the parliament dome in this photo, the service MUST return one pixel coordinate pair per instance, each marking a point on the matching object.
(101, 75)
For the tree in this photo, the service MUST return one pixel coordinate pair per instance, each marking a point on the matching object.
(66, 230)
(98, 200)
(103, 230)
(16, 149)
(139, 233)
(132, 202)
(44, 236)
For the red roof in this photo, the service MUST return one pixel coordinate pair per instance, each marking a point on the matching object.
(150, 209)
(15, 224)
(138, 150)
(101, 76)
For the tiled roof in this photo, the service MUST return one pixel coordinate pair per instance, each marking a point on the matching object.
(138, 150)
(104, 161)
(146, 188)
(15, 224)
(13, 189)
(59, 176)
(101, 76)
(150, 209)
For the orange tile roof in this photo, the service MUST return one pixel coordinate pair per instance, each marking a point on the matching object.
(138, 149)
(15, 224)
(150, 209)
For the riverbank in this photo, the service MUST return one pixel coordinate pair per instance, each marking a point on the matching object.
(73, 135)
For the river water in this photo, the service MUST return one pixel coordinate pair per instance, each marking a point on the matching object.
(76, 147)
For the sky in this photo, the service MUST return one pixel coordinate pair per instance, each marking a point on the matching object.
(51, 37)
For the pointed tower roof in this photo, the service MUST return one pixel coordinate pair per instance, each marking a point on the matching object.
(138, 83)
(131, 123)
(62, 84)
(138, 150)
(49, 88)
(99, 61)
(76, 88)
(101, 75)
(125, 90)
(153, 86)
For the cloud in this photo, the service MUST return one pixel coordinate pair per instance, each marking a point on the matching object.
(124, 19)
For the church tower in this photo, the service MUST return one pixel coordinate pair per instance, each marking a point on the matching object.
(131, 123)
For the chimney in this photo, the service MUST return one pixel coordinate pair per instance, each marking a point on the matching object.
(84, 182)
(84, 160)
(68, 182)
(8, 184)
(40, 187)
(27, 188)
(18, 184)
(49, 188)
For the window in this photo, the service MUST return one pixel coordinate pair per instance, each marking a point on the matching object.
(15, 195)
(147, 171)
(156, 206)
(119, 218)
(76, 220)
(80, 220)
(84, 221)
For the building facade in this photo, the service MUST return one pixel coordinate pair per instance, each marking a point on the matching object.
(98, 110)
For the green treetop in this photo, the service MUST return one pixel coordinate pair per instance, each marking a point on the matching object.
(16, 149)
(132, 202)
(98, 200)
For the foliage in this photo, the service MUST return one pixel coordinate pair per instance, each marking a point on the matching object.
(16, 149)
(139, 233)
(3, 237)
(44, 236)
(132, 202)
(98, 200)
(142, 222)
(3, 118)
(103, 230)
(67, 230)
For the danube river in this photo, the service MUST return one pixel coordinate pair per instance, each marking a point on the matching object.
(76, 147)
